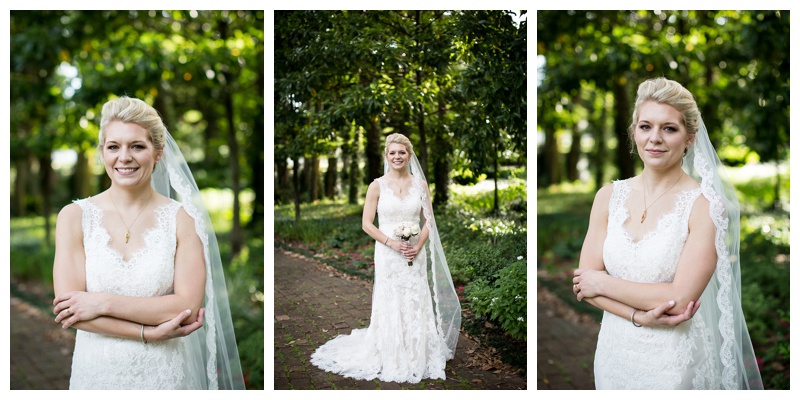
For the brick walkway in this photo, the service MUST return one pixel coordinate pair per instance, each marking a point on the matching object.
(41, 353)
(314, 303)
(566, 342)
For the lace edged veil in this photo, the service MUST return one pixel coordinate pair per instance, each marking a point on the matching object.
(445, 299)
(213, 354)
(721, 303)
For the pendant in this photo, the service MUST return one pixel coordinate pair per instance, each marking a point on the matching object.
(644, 215)
(128, 235)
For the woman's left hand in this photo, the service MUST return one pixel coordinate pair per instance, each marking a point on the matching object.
(411, 253)
(73, 307)
(586, 282)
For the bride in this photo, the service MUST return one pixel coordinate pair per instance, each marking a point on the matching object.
(138, 273)
(416, 315)
(661, 258)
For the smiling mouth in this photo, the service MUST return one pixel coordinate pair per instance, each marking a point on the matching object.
(126, 170)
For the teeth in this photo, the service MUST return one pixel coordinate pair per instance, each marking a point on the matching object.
(125, 170)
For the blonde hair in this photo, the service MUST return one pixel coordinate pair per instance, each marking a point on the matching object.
(132, 110)
(398, 138)
(672, 93)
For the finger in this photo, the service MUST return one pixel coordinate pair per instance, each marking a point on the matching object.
(60, 306)
(62, 297)
(580, 296)
(658, 311)
(577, 272)
(67, 322)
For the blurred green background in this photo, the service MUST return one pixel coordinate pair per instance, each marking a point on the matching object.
(203, 71)
(736, 63)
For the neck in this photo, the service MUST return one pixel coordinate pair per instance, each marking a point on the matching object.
(658, 180)
(128, 197)
(398, 174)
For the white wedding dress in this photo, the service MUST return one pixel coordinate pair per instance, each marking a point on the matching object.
(630, 357)
(401, 343)
(109, 362)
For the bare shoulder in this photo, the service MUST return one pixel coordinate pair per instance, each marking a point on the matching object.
(374, 188)
(700, 211)
(185, 222)
(603, 196)
(70, 214)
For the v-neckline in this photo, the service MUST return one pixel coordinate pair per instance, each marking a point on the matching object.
(136, 253)
(659, 218)
(391, 191)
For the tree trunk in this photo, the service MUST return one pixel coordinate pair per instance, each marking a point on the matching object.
(600, 145)
(496, 208)
(314, 185)
(575, 147)
(373, 152)
(622, 119)
(237, 238)
(296, 185)
(352, 183)
(256, 156)
(331, 176)
(551, 156)
(422, 148)
(20, 200)
(46, 184)
(82, 177)
(441, 161)
(281, 180)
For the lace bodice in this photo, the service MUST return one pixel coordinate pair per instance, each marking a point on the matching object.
(654, 257)
(108, 362)
(393, 209)
(630, 357)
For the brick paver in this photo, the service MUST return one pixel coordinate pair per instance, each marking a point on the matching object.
(313, 304)
(565, 345)
(41, 353)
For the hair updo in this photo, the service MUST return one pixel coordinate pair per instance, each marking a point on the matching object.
(672, 93)
(398, 138)
(135, 111)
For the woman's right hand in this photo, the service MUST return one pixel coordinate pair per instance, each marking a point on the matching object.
(173, 328)
(398, 245)
(659, 317)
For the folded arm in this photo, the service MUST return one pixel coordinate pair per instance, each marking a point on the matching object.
(73, 304)
(591, 263)
(695, 268)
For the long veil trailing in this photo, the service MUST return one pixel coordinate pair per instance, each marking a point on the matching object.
(212, 349)
(722, 300)
(445, 299)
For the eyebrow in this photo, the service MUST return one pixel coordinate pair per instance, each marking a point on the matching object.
(665, 123)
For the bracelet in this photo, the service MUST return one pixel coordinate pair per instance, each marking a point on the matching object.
(632, 321)
(141, 333)
(386, 241)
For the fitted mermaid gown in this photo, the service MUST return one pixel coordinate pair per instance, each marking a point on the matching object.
(401, 343)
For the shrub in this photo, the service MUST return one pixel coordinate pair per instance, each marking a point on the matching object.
(505, 300)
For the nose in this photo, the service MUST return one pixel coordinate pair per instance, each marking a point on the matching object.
(125, 154)
(655, 136)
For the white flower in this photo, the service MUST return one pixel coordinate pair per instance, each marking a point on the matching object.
(406, 231)
(517, 297)
(519, 257)
(474, 299)
(521, 319)
(414, 230)
(494, 299)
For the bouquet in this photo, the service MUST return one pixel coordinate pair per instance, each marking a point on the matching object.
(405, 231)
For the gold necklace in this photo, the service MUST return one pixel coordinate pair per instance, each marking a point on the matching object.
(128, 227)
(644, 193)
